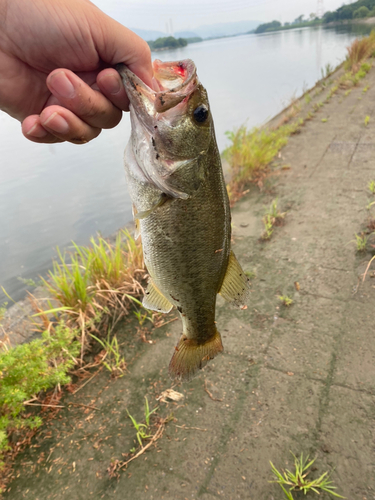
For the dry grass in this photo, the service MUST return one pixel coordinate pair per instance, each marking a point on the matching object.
(358, 51)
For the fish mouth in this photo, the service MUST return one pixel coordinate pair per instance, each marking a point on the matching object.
(173, 82)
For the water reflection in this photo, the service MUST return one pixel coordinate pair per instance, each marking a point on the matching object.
(50, 195)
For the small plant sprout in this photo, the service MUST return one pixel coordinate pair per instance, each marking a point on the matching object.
(286, 301)
(250, 274)
(3, 310)
(142, 429)
(361, 242)
(141, 316)
(273, 217)
(307, 98)
(324, 120)
(371, 186)
(268, 227)
(365, 89)
(297, 480)
(112, 360)
(367, 120)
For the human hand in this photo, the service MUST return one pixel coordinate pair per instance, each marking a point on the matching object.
(55, 74)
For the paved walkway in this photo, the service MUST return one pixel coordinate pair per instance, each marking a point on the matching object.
(298, 379)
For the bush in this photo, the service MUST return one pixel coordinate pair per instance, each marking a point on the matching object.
(361, 12)
(28, 369)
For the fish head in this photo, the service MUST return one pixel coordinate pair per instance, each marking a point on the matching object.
(171, 126)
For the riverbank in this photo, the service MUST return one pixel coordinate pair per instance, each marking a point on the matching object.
(297, 378)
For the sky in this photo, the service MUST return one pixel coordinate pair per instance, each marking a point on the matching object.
(188, 14)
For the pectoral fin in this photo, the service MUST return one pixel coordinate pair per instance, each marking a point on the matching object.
(155, 300)
(235, 287)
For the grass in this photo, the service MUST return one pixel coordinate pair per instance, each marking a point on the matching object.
(89, 290)
(327, 70)
(297, 480)
(142, 429)
(367, 120)
(361, 242)
(273, 217)
(359, 50)
(112, 358)
(3, 310)
(268, 227)
(307, 98)
(371, 186)
(251, 152)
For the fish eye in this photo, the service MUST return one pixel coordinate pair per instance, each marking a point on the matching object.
(200, 113)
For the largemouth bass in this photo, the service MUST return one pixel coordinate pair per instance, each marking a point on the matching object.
(181, 208)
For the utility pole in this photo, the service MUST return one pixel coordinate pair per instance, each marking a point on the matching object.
(319, 8)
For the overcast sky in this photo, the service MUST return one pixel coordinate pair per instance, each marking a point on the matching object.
(188, 14)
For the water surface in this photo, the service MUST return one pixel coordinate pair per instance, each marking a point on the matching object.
(52, 194)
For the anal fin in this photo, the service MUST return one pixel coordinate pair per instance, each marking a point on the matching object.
(155, 300)
(235, 287)
(189, 356)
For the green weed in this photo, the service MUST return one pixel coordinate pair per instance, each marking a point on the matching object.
(318, 90)
(142, 429)
(307, 98)
(30, 282)
(297, 479)
(28, 369)
(371, 186)
(3, 310)
(251, 152)
(324, 120)
(347, 92)
(360, 241)
(367, 120)
(268, 227)
(141, 314)
(365, 89)
(287, 301)
(250, 274)
(273, 217)
(327, 70)
(318, 105)
(112, 359)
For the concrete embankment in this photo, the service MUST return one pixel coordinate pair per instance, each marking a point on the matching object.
(298, 378)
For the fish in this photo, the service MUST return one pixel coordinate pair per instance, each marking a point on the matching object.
(181, 208)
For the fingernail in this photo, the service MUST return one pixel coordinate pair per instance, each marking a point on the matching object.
(111, 84)
(57, 123)
(37, 131)
(61, 85)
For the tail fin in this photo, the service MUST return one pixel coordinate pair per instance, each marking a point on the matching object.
(190, 356)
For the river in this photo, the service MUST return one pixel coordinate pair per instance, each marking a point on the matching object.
(53, 194)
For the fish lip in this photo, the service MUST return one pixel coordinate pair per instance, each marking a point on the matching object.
(149, 101)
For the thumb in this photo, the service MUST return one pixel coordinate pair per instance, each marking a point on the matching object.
(117, 44)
